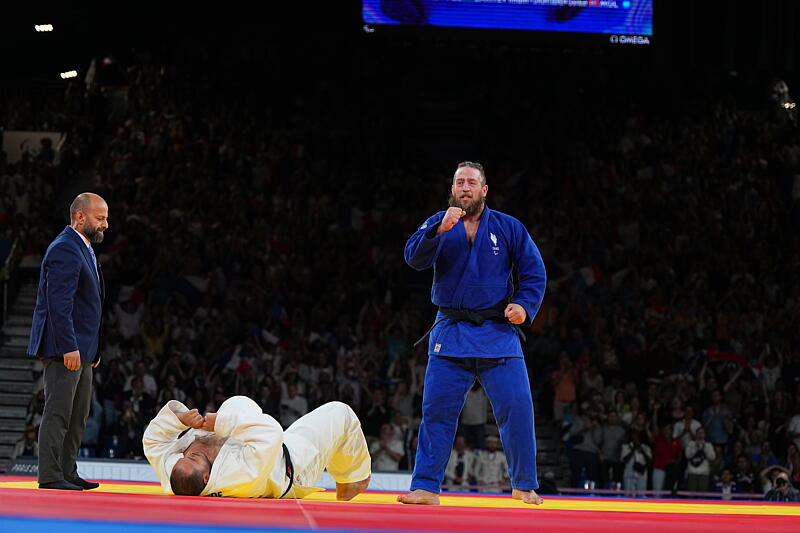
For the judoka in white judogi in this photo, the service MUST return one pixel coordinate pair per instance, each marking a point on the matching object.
(248, 459)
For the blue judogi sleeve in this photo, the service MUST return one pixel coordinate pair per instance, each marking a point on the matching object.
(531, 273)
(422, 248)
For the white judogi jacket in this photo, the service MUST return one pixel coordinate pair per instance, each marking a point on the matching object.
(250, 463)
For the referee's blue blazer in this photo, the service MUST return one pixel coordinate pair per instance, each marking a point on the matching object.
(69, 302)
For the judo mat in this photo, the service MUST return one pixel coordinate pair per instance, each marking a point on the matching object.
(143, 508)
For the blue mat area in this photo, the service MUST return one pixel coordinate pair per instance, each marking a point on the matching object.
(33, 525)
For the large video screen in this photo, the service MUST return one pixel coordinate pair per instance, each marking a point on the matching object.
(619, 17)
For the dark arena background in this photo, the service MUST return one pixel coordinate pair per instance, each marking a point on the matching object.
(264, 166)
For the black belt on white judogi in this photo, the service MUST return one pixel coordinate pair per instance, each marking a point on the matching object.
(289, 470)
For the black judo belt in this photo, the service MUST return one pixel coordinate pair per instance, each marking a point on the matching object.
(289, 470)
(475, 316)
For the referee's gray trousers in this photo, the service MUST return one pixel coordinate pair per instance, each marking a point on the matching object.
(67, 397)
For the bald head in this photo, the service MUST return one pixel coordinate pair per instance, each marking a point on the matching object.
(191, 473)
(88, 214)
(188, 478)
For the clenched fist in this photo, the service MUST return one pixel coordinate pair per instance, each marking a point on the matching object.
(209, 422)
(515, 313)
(192, 418)
(451, 218)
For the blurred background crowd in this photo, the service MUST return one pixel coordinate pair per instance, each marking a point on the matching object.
(257, 228)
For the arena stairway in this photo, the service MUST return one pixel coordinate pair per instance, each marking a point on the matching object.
(16, 377)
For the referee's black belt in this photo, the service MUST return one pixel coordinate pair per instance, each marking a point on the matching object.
(289, 470)
(475, 316)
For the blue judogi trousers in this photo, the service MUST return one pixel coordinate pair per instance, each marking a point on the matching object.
(447, 381)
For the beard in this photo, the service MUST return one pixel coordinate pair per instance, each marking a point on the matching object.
(472, 207)
(93, 234)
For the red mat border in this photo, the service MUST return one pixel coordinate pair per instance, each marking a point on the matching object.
(229, 512)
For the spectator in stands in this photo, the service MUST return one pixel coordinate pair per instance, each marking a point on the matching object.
(793, 429)
(793, 464)
(637, 458)
(293, 406)
(377, 414)
(403, 397)
(387, 450)
(142, 403)
(686, 429)
(631, 414)
(402, 431)
(676, 412)
(610, 455)
(719, 463)
(35, 408)
(460, 468)
(26, 446)
(765, 457)
(411, 451)
(127, 319)
(474, 417)
(564, 386)
(699, 454)
(94, 424)
(666, 459)
(718, 420)
(268, 398)
(154, 334)
(726, 485)
(141, 372)
(591, 381)
(171, 391)
(745, 475)
(111, 386)
(585, 435)
(768, 475)
(782, 490)
(491, 468)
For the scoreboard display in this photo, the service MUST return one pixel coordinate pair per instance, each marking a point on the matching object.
(625, 21)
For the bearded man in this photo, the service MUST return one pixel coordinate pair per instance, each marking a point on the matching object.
(65, 334)
(476, 336)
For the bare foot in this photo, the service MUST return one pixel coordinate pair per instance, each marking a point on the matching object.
(419, 497)
(527, 496)
(348, 491)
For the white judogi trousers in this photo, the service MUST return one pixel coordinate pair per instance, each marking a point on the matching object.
(329, 437)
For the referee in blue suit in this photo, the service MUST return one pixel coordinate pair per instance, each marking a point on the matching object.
(65, 335)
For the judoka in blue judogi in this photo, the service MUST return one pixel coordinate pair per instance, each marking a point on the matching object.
(474, 251)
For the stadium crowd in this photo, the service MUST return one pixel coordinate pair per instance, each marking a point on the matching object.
(256, 248)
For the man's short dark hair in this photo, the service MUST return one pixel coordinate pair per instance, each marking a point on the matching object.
(187, 485)
(477, 166)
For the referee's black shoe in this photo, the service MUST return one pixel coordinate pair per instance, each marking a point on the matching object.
(59, 485)
(83, 484)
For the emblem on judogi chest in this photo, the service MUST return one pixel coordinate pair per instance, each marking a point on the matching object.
(495, 248)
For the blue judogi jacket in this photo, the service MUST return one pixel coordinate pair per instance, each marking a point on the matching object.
(478, 277)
